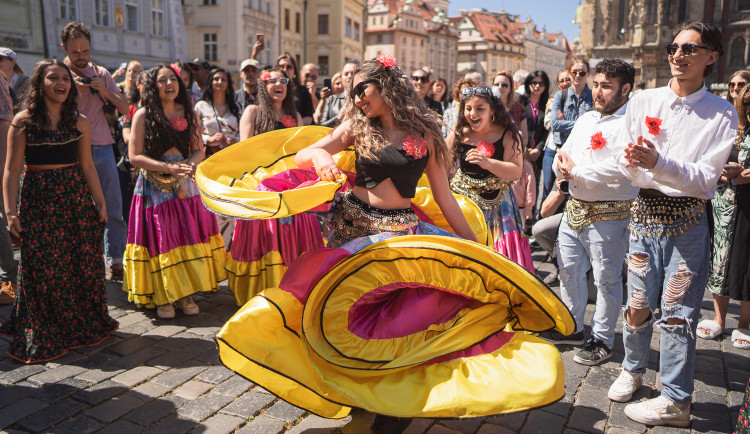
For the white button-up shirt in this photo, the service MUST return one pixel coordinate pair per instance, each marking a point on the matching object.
(694, 141)
(596, 176)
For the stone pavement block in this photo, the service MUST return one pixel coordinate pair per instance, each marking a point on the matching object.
(542, 422)
(210, 357)
(219, 424)
(77, 425)
(155, 410)
(489, 428)
(601, 378)
(51, 415)
(263, 425)
(55, 375)
(737, 380)
(248, 404)
(120, 427)
(735, 399)
(559, 408)
(710, 412)
(177, 341)
(174, 358)
(172, 424)
(234, 386)
(136, 375)
(98, 361)
(468, 425)
(588, 419)
(131, 318)
(9, 395)
(100, 392)
(617, 430)
(139, 328)
(418, 426)
(710, 382)
(138, 358)
(207, 331)
(56, 391)
(592, 397)
(706, 363)
(571, 367)
(204, 406)
(19, 374)
(20, 409)
(129, 346)
(193, 389)
(440, 429)
(215, 374)
(284, 411)
(114, 408)
(513, 421)
(149, 390)
(94, 376)
(164, 331)
(176, 376)
(618, 419)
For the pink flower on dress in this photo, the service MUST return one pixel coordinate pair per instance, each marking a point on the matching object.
(597, 141)
(265, 76)
(179, 123)
(654, 125)
(288, 121)
(486, 148)
(386, 60)
(415, 146)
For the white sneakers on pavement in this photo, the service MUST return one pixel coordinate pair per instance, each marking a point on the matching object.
(625, 386)
(659, 411)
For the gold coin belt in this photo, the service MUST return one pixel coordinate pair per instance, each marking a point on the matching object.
(664, 215)
(354, 218)
(582, 213)
(162, 181)
(474, 188)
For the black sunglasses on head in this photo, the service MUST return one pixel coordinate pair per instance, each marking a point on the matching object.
(686, 49)
(359, 89)
(422, 79)
(483, 90)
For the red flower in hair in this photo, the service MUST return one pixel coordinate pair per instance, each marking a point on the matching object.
(386, 60)
(415, 146)
(179, 123)
(265, 76)
(288, 121)
(597, 141)
(654, 125)
(486, 148)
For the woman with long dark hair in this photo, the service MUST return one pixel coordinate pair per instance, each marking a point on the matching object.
(439, 92)
(534, 101)
(487, 146)
(61, 302)
(261, 250)
(174, 247)
(219, 112)
(302, 97)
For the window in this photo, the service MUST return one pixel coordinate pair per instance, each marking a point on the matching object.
(209, 2)
(323, 24)
(268, 8)
(286, 19)
(379, 39)
(297, 22)
(296, 57)
(101, 11)
(69, 10)
(682, 11)
(131, 15)
(157, 17)
(356, 31)
(622, 13)
(249, 4)
(737, 56)
(651, 10)
(743, 5)
(210, 47)
(348, 27)
(323, 65)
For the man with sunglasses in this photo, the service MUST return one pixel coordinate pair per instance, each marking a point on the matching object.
(421, 80)
(675, 142)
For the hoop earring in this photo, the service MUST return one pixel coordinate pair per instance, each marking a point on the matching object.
(493, 118)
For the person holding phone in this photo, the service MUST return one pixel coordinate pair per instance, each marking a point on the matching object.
(331, 112)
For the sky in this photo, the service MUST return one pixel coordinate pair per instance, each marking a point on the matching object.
(556, 15)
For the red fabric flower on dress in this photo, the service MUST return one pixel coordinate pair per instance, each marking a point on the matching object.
(597, 141)
(486, 148)
(386, 60)
(654, 125)
(288, 121)
(179, 123)
(415, 146)
(265, 76)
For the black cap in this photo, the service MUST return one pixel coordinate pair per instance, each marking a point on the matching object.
(203, 63)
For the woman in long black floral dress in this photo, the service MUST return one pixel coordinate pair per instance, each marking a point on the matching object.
(61, 302)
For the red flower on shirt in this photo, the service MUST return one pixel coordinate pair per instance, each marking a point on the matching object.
(288, 121)
(415, 146)
(654, 125)
(386, 60)
(597, 141)
(265, 76)
(179, 123)
(486, 148)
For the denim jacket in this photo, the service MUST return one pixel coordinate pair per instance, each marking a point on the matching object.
(575, 106)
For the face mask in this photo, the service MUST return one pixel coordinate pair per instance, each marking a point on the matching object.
(496, 91)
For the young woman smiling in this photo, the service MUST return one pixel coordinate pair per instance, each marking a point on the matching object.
(219, 112)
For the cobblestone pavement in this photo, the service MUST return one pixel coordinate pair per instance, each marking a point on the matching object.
(164, 376)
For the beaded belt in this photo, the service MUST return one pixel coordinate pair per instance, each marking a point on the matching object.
(475, 189)
(655, 213)
(353, 218)
(163, 181)
(582, 213)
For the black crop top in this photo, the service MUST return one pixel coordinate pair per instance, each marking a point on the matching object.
(474, 170)
(402, 169)
(55, 147)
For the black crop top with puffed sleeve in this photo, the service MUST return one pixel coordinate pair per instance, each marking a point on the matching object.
(54, 147)
(403, 170)
(474, 170)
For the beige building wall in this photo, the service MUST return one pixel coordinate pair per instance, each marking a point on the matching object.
(442, 53)
(21, 31)
(291, 25)
(345, 37)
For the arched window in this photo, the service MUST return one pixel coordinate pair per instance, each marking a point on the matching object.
(737, 53)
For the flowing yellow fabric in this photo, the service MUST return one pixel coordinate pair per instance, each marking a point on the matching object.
(247, 279)
(307, 355)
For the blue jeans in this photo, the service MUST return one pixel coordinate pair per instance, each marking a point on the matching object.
(547, 174)
(116, 232)
(681, 261)
(600, 246)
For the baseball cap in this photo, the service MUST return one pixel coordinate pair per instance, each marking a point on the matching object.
(249, 62)
(7, 52)
(201, 62)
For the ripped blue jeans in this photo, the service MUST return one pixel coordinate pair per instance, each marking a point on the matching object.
(681, 262)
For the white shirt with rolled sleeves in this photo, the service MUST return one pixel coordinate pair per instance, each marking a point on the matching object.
(696, 135)
(596, 176)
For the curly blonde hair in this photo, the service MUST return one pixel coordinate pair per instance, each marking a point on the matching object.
(409, 111)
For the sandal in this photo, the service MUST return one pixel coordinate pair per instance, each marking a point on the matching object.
(741, 335)
(712, 327)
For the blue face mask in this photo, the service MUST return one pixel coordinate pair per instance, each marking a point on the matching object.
(496, 91)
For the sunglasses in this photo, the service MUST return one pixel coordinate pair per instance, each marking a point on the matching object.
(282, 81)
(686, 49)
(359, 89)
(423, 79)
(739, 85)
(538, 83)
(484, 90)
(565, 80)
(286, 67)
(578, 73)
(503, 85)
(311, 77)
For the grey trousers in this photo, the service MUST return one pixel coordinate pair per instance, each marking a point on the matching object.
(544, 232)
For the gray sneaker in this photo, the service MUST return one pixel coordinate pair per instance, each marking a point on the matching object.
(659, 411)
(593, 353)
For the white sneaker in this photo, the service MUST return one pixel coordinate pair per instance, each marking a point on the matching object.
(625, 386)
(188, 306)
(165, 311)
(659, 411)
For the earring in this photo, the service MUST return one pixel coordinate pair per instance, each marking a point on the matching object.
(493, 118)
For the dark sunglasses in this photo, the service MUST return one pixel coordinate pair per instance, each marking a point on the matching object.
(423, 79)
(739, 85)
(538, 83)
(282, 81)
(484, 90)
(687, 49)
(359, 89)
(578, 73)
(310, 76)
(503, 85)
(565, 80)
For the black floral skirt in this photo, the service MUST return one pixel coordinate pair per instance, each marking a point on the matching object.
(61, 302)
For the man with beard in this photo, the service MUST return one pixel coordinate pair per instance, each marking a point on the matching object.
(593, 233)
(249, 73)
(96, 88)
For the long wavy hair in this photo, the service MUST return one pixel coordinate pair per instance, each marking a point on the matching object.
(265, 116)
(409, 111)
(208, 92)
(745, 74)
(741, 105)
(160, 136)
(38, 119)
(499, 116)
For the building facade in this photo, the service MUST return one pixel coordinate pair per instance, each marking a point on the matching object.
(22, 31)
(335, 33)
(547, 52)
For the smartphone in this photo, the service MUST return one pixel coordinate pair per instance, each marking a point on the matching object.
(123, 65)
(260, 38)
(730, 166)
(327, 83)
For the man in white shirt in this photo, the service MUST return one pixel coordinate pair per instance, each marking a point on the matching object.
(678, 138)
(593, 233)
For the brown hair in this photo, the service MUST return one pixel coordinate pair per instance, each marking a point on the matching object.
(500, 117)
(38, 119)
(456, 91)
(745, 74)
(512, 94)
(580, 58)
(265, 116)
(74, 31)
(743, 100)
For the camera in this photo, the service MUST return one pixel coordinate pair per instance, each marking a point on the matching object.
(565, 186)
(87, 80)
